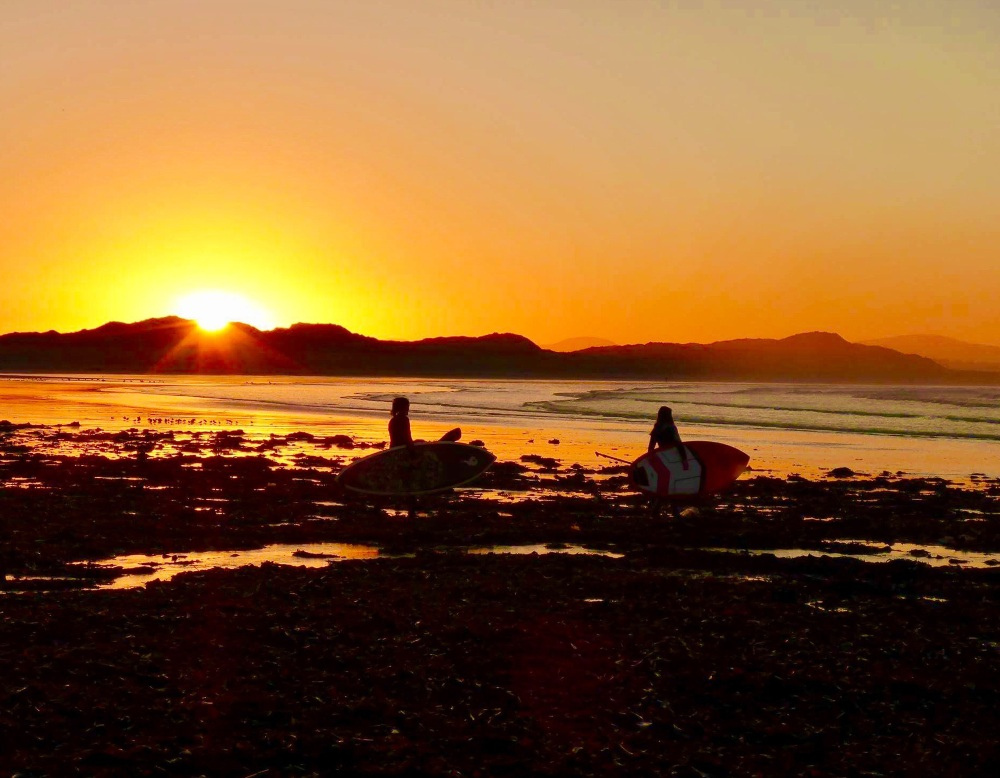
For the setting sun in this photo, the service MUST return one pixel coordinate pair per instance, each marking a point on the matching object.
(213, 310)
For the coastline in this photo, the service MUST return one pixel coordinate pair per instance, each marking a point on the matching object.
(511, 426)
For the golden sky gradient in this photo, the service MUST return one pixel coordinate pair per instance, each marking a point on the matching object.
(682, 171)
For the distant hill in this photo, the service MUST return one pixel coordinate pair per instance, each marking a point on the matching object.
(811, 356)
(174, 345)
(578, 344)
(950, 352)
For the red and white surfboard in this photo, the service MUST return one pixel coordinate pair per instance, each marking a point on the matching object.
(709, 468)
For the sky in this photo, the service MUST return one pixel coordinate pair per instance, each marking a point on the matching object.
(637, 171)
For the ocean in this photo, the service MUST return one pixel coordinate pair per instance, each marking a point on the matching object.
(951, 432)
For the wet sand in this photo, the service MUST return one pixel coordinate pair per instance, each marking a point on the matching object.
(688, 650)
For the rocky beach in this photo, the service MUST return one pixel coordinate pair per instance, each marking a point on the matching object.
(543, 622)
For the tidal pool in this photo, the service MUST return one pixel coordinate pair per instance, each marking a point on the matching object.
(140, 569)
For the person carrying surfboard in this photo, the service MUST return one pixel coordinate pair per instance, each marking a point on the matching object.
(664, 434)
(400, 435)
(399, 426)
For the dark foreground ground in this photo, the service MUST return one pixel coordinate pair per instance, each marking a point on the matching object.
(667, 660)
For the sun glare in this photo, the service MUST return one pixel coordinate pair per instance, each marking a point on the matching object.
(213, 310)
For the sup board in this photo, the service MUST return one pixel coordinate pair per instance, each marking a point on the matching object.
(709, 468)
(418, 469)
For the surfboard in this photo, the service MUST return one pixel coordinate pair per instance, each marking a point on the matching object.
(420, 469)
(709, 468)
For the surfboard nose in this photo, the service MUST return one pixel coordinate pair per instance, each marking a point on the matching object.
(727, 463)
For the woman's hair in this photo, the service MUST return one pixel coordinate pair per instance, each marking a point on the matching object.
(665, 414)
(400, 405)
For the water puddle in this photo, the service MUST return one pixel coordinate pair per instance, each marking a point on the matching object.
(821, 606)
(542, 548)
(934, 556)
(140, 569)
(18, 482)
(37, 584)
(563, 494)
(536, 492)
(493, 495)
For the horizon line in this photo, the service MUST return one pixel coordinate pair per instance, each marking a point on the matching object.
(610, 344)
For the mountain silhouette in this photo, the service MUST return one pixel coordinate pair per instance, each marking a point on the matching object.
(577, 344)
(811, 356)
(175, 345)
(950, 352)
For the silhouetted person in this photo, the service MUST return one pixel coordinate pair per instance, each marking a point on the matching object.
(664, 434)
(399, 424)
(399, 435)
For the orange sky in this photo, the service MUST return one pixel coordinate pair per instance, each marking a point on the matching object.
(629, 170)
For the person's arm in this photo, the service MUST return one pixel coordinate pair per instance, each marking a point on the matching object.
(680, 447)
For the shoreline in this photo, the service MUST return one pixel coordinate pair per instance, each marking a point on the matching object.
(505, 421)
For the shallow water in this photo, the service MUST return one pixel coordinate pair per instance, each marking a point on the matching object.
(786, 428)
